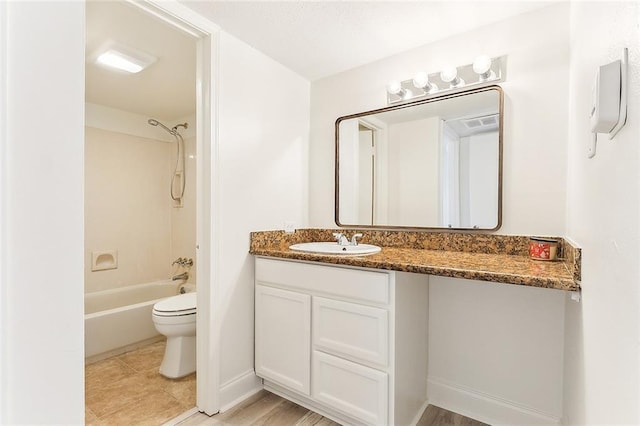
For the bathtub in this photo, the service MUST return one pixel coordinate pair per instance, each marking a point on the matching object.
(119, 318)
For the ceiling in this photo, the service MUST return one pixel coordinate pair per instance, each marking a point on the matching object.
(315, 39)
(166, 89)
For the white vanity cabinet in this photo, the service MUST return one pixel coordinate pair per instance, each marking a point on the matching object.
(283, 335)
(348, 343)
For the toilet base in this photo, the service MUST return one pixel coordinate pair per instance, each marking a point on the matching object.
(179, 357)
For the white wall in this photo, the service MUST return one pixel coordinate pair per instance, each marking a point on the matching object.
(42, 201)
(413, 167)
(496, 351)
(482, 166)
(535, 126)
(602, 373)
(263, 151)
(535, 131)
(350, 172)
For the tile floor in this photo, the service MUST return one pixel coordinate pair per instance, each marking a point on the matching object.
(127, 389)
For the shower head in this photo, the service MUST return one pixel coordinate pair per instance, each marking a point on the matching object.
(155, 122)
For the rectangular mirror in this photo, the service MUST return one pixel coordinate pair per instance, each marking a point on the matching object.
(433, 163)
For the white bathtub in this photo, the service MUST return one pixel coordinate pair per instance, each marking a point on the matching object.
(120, 318)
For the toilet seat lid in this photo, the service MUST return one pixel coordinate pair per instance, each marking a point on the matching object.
(179, 304)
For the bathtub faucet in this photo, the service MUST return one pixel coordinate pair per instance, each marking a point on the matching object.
(183, 276)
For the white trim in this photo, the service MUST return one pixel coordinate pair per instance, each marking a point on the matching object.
(207, 182)
(420, 413)
(3, 170)
(238, 389)
(184, 416)
(483, 407)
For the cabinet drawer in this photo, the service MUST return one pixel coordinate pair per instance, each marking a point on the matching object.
(360, 285)
(283, 338)
(356, 332)
(358, 391)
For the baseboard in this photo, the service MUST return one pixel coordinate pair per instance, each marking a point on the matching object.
(238, 389)
(483, 407)
(418, 416)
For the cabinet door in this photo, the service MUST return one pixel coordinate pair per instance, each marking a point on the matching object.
(283, 337)
(354, 389)
(357, 332)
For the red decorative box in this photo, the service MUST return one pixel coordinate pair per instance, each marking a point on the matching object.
(543, 248)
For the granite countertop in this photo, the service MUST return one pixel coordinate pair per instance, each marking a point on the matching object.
(484, 257)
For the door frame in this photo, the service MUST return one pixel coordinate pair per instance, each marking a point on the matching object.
(208, 321)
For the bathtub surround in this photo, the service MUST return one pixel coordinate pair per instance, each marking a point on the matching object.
(127, 204)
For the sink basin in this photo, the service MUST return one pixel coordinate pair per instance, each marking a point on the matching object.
(335, 248)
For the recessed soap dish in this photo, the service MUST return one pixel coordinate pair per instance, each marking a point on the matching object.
(103, 260)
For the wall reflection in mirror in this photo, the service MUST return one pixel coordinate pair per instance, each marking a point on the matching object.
(434, 163)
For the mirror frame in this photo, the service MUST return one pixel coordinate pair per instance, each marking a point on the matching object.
(409, 105)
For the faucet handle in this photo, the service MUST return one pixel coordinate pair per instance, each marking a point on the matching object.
(341, 238)
(354, 239)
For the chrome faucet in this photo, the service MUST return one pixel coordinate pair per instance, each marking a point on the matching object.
(344, 241)
(341, 238)
(182, 276)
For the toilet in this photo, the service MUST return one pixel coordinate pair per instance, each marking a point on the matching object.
(175, 318)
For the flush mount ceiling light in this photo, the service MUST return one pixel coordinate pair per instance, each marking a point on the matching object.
(123, 58)
(484, 71)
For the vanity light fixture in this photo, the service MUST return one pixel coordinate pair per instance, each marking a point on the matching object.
(123, 58)
(450, 75)
(421, 81)
(482, 67)
(484, 71)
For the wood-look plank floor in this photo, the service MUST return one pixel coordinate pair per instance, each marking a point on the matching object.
(265, 408)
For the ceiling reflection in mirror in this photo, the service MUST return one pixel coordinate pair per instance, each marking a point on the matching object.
(434, 163)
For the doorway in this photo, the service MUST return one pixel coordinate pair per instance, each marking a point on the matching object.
(114, 111)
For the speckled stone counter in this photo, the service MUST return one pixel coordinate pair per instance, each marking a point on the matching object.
(484, 257)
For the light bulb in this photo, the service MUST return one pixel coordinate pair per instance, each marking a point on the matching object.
(394, 88)
(421, 81)
(482, 67)
(449, 74)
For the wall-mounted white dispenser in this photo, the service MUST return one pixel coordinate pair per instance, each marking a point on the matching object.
(609, 106)
(103, 260)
